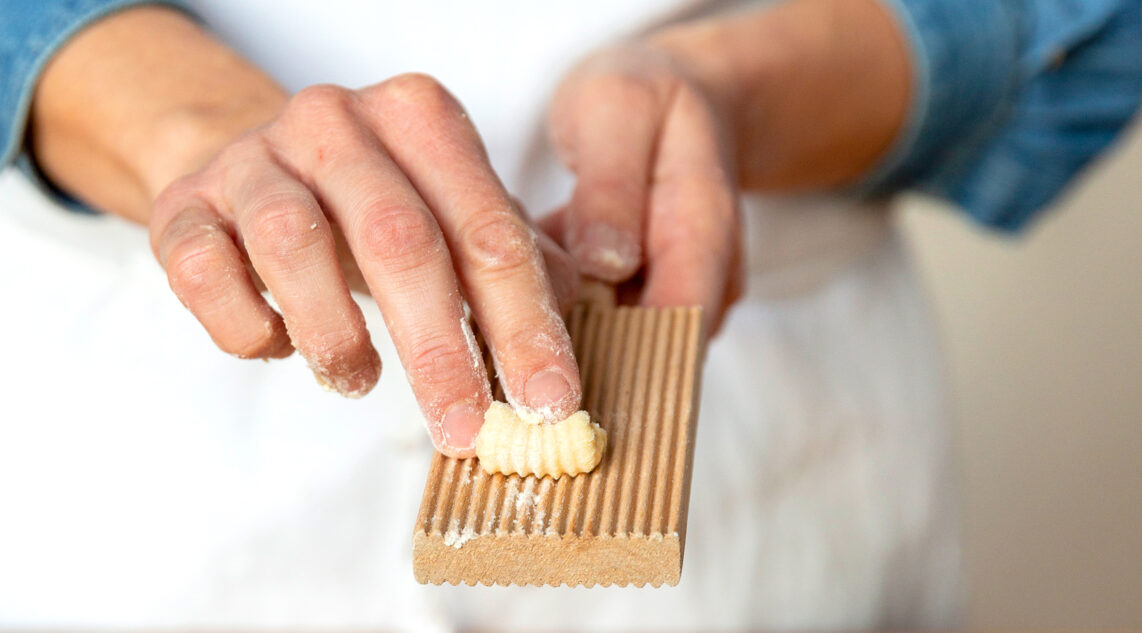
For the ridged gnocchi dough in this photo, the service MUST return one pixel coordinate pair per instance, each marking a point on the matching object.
(508, 444)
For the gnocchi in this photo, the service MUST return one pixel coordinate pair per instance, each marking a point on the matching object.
(508, 444)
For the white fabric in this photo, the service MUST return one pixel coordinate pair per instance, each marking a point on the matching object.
(148, 480)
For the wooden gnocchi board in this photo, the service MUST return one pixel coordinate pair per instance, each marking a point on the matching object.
(623, 523)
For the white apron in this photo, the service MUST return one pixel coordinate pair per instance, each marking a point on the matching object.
(148, 480)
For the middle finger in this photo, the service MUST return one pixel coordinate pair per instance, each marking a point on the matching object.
(494, 249)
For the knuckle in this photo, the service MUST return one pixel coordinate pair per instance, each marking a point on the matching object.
(281, 227)
(424, 93)
(498, 242)
(321, 99)
(318, 114)
(179, 204)
(195, 264)
(437, 363)
(401, 238)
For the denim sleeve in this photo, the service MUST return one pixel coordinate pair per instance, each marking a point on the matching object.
(1012, 99)
(31, 31)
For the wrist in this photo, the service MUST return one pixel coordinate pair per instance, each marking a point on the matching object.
(138, 99)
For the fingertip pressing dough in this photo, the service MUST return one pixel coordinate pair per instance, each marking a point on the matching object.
(623, 523)
(509, 444)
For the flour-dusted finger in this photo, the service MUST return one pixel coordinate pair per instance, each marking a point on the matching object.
(493, 248)
(405, 261)
(291, 246)
(206, 272)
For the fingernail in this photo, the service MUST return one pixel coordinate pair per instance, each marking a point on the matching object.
(460, 425)
(545, 389)
(607, 252)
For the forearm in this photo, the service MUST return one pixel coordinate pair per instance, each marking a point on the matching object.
(814, 92)
(138, 99)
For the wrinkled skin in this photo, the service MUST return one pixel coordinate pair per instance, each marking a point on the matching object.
(388, 189)
(365, 164)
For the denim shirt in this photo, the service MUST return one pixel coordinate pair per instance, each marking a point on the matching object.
(1011, 99)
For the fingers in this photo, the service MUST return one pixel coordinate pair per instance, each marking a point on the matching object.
(493, 248)
(606, 130)
(207, 273)
(406, 264)
(693, 235)
(423, 239)
(649, 156)
(291, 247)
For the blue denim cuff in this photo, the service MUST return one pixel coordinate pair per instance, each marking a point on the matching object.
(1013, 99)
(965, 63)
(30, 33)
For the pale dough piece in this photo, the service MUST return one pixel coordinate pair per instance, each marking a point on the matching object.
(507, 444)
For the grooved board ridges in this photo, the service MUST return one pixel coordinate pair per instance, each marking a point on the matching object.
(623, 523)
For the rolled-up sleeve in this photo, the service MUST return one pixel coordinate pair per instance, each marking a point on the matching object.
(31, 31)
(1012, 99)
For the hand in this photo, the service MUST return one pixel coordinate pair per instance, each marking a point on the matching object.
(802, 95)
(656, 202)
(647, 129)
(400, 171)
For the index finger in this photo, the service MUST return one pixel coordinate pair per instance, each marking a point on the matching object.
(493, 248)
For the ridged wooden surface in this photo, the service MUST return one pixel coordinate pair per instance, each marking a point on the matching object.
(624, 522)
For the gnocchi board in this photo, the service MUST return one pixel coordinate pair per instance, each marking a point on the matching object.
(624, 523)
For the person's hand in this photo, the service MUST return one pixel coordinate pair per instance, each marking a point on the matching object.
(655, 207)
(659, 132)
(799, 96)
(400, 171)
